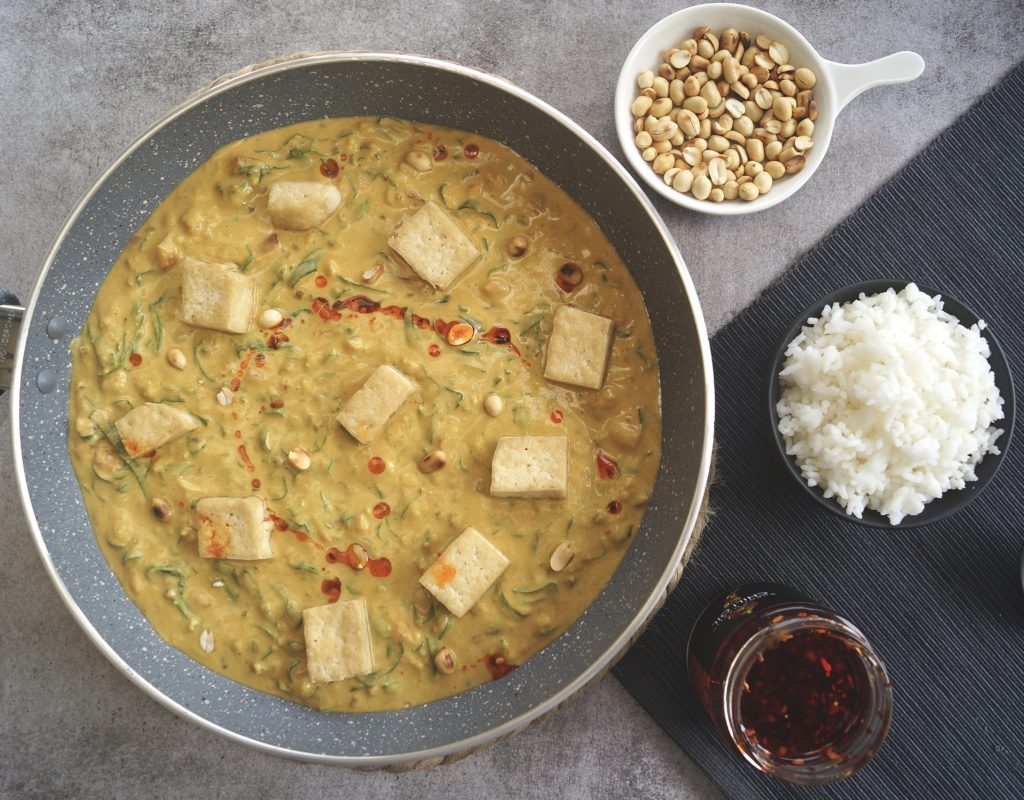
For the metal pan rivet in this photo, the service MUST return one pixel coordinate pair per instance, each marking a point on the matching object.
(56, 327)
(46, 380)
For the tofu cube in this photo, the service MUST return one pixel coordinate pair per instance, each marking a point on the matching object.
(530, 466)
(338, 642)
(216, 296)
(152, 425)
(579, 348)
(233, 527)
(301, 205)
(466, 569)
(168, 254)
(434, 246)
(376, 401)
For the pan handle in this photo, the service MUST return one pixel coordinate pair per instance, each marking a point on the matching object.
(11, 313)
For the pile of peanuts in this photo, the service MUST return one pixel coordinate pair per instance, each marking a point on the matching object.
(725, 116)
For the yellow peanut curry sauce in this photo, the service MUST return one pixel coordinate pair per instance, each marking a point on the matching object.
(286, 385)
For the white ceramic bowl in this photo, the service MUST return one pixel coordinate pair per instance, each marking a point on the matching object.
(836, 86)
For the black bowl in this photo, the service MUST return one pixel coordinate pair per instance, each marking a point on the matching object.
(951, 501)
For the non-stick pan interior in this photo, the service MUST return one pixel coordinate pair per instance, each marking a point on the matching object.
(427, 91)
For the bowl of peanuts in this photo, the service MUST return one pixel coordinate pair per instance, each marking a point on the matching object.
(727, 109)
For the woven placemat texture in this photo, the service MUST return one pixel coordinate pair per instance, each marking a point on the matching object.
(942, 603)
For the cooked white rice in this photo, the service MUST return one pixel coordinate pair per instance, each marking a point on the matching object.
(887, 402)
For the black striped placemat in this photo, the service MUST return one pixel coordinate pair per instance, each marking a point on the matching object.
(942, 603)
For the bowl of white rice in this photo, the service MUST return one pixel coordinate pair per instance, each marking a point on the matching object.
(891, 403)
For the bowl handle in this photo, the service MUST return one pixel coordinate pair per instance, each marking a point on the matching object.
(852, 79)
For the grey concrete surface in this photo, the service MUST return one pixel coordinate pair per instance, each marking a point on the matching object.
(82, 79)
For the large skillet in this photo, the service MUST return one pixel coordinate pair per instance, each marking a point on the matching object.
(340, 85)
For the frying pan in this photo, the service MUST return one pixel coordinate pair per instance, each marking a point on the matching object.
(329, 85)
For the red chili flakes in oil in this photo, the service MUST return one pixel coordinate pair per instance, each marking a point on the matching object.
(615, 507)
(434, 350)
(471, 150)
(498, 334)
(332, 588)
(245, 458)
(376, 465)
(379, 567)
(440, 153)
(278, 403)
(361, 304)
(329, 168)
(804, 694)
(256, 483)
(607, 467)
(381, 510)
(557, 417)
(261, 359)
(498, 666)
(135, 359)
(320, 281)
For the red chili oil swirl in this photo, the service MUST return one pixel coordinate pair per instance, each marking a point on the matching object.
(329, 168)
(497, 334)
(322, 308)
(320, 281)
(420, 322)
(381, 510)
(135, 359)
(376, 465)
(245, 458)
(395, 312)
(607, 467)
(332, 588)
(471, 150)
(556, 417)
(434, 350)
(361, 304)
(282, 525)
(615, 507)
(334, 555)
(804, 694)
(440, 153)
(379, 567)
(498, 666)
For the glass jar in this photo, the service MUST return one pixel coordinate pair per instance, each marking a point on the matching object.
(794, 686)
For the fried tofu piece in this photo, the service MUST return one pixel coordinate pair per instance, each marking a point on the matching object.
(530, 467)
(434, 246)
(338, 644)
(579, 348)
(168, 254)
(375, 402)
(466, 569)
(301, 205)
(233, 527)
(216, 296)
(152, 425)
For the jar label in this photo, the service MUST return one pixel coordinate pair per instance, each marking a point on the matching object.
(728, 611)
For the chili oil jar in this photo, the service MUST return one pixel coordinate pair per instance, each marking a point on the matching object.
(794, 686)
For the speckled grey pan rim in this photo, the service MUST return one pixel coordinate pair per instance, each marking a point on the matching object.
(342, 84)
